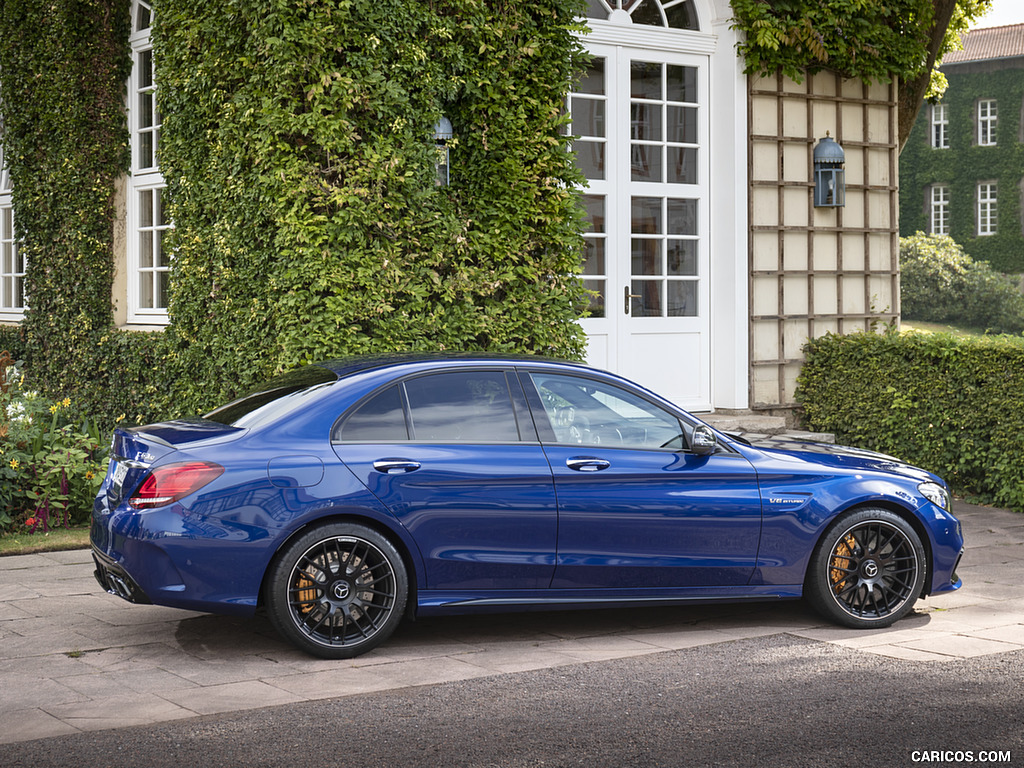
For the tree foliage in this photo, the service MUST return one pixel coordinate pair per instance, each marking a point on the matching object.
(863, 39)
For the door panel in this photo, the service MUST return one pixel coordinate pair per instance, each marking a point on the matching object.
(636, 509)
(484, 516)
(655, 519)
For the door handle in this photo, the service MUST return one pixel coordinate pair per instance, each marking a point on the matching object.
(394, 466)
(587, 464)
(627, 296)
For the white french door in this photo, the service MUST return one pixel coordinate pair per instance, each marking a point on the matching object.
(641, 119)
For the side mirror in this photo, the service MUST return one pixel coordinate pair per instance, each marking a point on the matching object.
(703, 442)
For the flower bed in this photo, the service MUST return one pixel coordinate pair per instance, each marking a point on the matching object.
(52, 459)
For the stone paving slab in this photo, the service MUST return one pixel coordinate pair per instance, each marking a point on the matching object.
(73, 659)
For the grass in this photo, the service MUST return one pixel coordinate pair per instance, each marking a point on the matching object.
(55, 540)
(921, 326)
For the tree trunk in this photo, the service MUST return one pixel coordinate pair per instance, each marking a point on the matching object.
(912, 91)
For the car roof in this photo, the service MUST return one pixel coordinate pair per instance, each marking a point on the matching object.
(348, 366)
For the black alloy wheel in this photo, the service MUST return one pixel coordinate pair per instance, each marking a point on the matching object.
(337, 591)
(868, 569)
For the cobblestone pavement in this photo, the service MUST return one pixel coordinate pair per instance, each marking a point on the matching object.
(75, 659)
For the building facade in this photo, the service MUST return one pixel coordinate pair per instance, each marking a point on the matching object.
(963, 166)
(709, 263)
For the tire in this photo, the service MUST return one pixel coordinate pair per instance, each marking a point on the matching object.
(868, 569)
(337, 591)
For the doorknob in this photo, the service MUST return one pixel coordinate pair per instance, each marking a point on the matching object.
(627, 296)
(394, 466)
(587, 464)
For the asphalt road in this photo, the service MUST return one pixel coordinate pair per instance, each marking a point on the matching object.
(773, 701)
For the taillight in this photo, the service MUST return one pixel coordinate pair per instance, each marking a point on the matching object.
(167, 484)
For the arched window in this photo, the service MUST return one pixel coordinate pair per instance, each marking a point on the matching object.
(673, 14)
(148, 262)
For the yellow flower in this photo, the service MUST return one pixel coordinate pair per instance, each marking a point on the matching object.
(89, 475)
(66, 402)
(53, 409)
(14, 463)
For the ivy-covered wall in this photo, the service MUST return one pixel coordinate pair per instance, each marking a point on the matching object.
(63, 66)
(964, 164)
(299, 153)
(298, 149)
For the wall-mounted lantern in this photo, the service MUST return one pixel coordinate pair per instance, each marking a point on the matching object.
(829, 176)
(443, 133)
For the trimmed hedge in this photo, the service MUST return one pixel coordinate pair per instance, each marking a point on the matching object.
(953, 406)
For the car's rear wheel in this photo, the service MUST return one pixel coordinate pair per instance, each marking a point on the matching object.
(868, 569)
(337, 591)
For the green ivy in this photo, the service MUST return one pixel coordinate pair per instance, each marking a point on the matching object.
(64, 64)
(298, 148)
(953, 406)
(964, 164)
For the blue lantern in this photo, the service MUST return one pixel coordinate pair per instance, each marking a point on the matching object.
(443, 133)
(829, 176)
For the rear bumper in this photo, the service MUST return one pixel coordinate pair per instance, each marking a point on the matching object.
(116, 580)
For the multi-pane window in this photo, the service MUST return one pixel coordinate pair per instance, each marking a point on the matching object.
(939, 209)
(12, 262)
(987, 208)
(940, 126)
(987, 115)
(148, 261)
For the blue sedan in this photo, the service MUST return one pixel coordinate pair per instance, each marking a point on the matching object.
(343, 496)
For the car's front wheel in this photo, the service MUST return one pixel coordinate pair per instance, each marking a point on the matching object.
(337, 591)
(868, 569)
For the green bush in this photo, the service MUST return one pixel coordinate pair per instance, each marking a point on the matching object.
(953, 406)
(940, 283)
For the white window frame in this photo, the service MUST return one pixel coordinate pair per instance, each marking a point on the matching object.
(938, 209)
(12, 263)
(144, 237)
(988, 116)
(987, 213)
(939, 126)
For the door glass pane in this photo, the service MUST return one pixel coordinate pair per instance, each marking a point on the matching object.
(682, 165)
(645, 122)
(587, 117)
(646, 216)
(682, 257)
(469, 406)
(681, 83)
(588, 105)
(645, 80)
(646, 162)
(682, 124)
(646, 298)
(682, 298)
(594, 261)
(682, 216)
(647, 257)
(587, 412)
